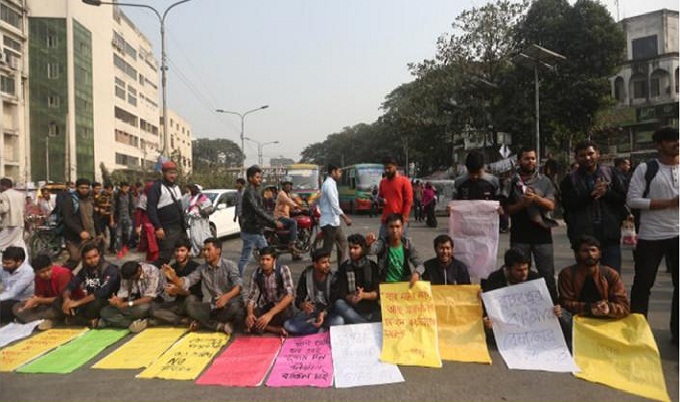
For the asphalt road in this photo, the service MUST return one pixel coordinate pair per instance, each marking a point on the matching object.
(453, 382)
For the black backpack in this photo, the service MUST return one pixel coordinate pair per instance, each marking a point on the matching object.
(652, 169)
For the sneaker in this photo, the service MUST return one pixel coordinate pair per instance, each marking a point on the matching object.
(45, 325)
(138, 326)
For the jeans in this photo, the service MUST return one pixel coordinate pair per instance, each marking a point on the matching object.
(648, 255)
(543, 258)
(333, 234)
(303, 323)
(166, 246)
(171, 312)
(249, 240)
(115, 317)
(123, 232)
(611, 256)
(351, 316)
(234, 312)
(291, 225)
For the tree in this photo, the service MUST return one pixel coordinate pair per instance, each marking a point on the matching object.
(207, 153)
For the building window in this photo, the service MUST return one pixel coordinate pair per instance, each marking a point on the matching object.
(52, 70)
(10, 16)
(645, 47)
(677, 75)
(52, 41)
(639, 87)
(52, 130)
(120, 92)
(53, 101)
(619, 90)
(11, 43)
(124, 66)
(7, 85)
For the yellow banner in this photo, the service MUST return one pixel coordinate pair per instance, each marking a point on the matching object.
(409, 325)
(621, 354)
(459, 323)
(142, 350)
(17, 355)
(187, 358)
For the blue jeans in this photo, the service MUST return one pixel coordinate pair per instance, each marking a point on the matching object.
(249, 240)
(291, 225)
(303, 323)
(611, 256)
(351, 316)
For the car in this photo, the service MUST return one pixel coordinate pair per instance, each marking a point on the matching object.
(222, 219)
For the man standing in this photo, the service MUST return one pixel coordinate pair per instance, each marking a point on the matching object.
(165, 211)
(79, 226)
(123, 212)
(397, 193)
(593, 199)
(50, 283)
(17, 279)
(11, 216)
(657, 200)
(103, 211)
(130, 307)
(445, 269)
(329, 203)
(90, 290)
(221, 308)
(240, 187)
(253, 218)
(476, 184)
(282, 213)
(529, 200)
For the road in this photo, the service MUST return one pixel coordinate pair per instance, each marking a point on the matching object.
(453, 382)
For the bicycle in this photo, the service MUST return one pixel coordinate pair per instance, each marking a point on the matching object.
(45, 239)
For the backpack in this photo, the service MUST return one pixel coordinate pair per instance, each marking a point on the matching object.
(259, 279)
(58, 211)
(652, 169)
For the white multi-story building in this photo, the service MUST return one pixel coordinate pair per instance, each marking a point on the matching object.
(13, 77)
(179, 140)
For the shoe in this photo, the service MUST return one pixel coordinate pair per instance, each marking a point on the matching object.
(45, 325)
(226, 328)
(193, 326)
(138, 326)
(125, 250)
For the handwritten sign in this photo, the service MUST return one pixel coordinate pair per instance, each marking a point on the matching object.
(304, 362)
(15, 331)
(187, 358)
(143, 349)
(606, 350)
(356, 356)
(253, 355)
(459, 323)
(19, 354)
(527, 332)
(409, 325)
(473, 226)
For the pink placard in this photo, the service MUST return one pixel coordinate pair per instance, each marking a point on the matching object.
(304, 362)
(244, 364)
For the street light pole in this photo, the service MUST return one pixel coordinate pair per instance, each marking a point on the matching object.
(242, 116)
(260, 147)
(164, 66)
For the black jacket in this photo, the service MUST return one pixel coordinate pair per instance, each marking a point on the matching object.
(253, 216)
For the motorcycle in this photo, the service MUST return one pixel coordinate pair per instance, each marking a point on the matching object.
(307, 224)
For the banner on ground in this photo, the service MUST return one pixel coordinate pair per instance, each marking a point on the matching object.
(253, 355)
(409, 325)
(459, 323)
(15, 356)
(142, 350)
(356, 356)
(15, 331)
(187, 358)
(303, 362)
(473, 226)
(621, 354)
(527, 333)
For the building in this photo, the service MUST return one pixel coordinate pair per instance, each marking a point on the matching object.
(13, 79)
(646, 87)
(179, 140)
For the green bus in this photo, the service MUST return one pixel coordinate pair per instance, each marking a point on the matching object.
(306, 181)
(356, 185)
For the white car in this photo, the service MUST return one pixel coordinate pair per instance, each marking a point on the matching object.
(222, 219)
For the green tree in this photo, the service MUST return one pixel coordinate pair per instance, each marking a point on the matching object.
(207, 153)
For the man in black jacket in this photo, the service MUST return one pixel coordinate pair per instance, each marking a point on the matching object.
(253, 218)
(165, 211)
(79, 222)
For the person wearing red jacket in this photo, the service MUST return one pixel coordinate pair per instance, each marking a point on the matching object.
(397, 193)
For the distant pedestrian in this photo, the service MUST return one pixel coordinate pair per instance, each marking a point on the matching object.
(429, 203)
(397, 193)
(79, 226)
(329, 203)
(240, 187)
(198, 212)
(165, 211)
(123, 216)
(11, 216)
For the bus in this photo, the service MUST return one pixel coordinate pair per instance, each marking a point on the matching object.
(356, 185)
(306, 181)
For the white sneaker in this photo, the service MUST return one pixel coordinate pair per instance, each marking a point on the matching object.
(45, 325)
(138, 326)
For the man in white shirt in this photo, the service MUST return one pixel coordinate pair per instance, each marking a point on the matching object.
(11, 216)
(329, 203)
(658, 233)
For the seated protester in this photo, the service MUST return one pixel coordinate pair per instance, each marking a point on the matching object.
(50, 283)
(514, 271)
(271, 294)
(172, 308)
(445, 269)
(130, 307)
(313, 298)
(398, 258)
(221, 307)
(355, 287)
(90, 290)
(17, 281)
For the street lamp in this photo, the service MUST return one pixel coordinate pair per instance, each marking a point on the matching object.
(164, 66)
(260, 146)
(243, 117)
(532, 58)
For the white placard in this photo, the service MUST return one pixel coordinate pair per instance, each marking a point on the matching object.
(13, 331)
(473, 226)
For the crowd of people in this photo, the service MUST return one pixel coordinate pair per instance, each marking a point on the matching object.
(171, 288)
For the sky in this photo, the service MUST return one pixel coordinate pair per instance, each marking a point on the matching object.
(320, 65)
